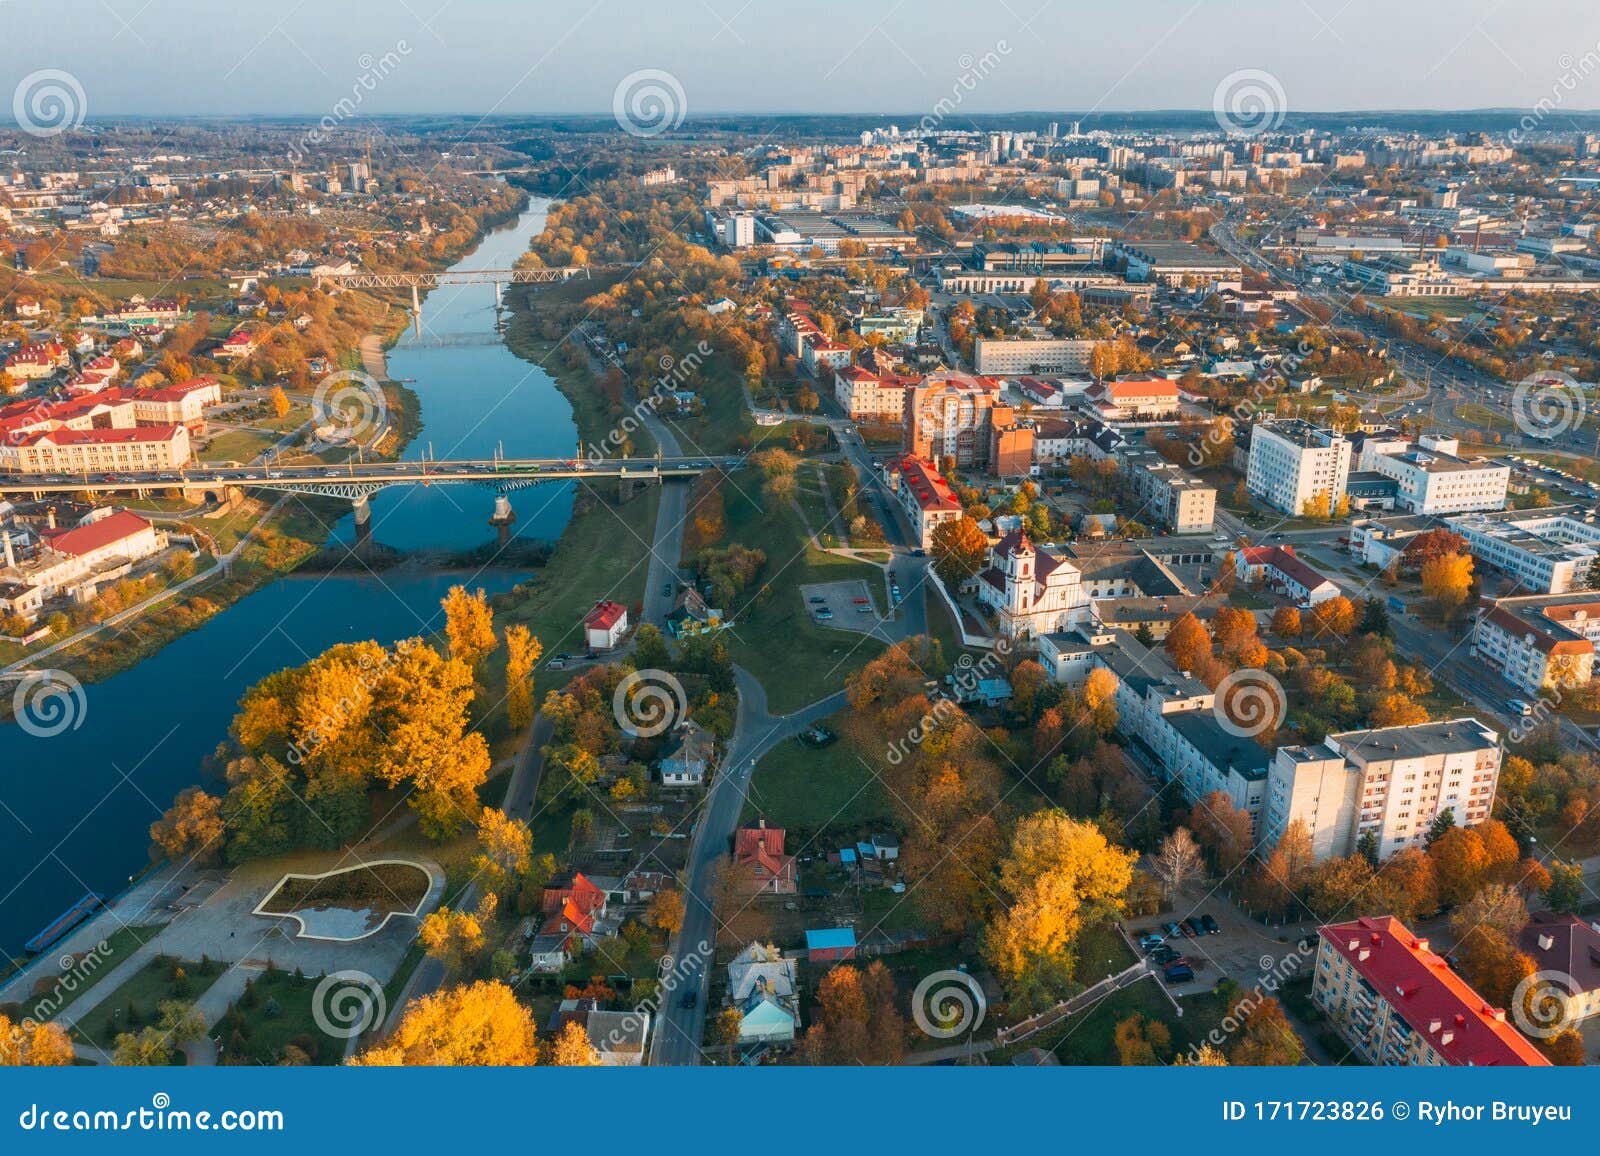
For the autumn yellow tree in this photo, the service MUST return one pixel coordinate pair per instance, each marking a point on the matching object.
(1396, 710)
(192, 830)
(33, 1045)
(522, 655)
(477, 1025)
(958, 549)
(456, 936)
(571, 1048)
(469, 624)
(1059, 874)
(279, 401)
(505, 850)
(1447, 579)
(423, 719)
(1187, 643)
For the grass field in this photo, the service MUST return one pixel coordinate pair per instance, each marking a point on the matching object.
(773, 622)
(134, 1004)
(810, 789)
(69, 986)
(276, 1012)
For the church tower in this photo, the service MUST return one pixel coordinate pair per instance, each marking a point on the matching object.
(1019, 575)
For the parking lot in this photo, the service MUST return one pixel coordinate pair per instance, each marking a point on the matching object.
(1243, 951)
(842, 605)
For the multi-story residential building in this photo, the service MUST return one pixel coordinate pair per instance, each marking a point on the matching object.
(1003, 355)
(1399, 1004)
(1010, 443)
(97, 451)
(1547, 551)
(821, 356)
(947, 415)
(1566, 945)
(1431, 479)
(1293, 463)
(1392, 782)
(1170, 497)
(1541, 642)
(925, 496)
(871, 397)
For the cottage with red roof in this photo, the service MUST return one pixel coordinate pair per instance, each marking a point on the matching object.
(39, 360)
(1283, 572)
(1399, 1004)
(759, 857)
(605, 625)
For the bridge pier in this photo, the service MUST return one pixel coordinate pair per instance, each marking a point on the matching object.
(416, 309)
(503, 514)
(363, 511)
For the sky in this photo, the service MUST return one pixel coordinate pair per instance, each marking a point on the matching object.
(892, 57)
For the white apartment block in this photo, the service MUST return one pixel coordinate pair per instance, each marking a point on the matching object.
(1032, 355)
(1431, 479)
(1393, 782)
(68, 451)
(1547, 551)
(1292, 461)
(1539, 643)
(868, 396)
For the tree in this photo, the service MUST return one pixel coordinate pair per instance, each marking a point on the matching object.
(279, 401)
(1375, 618)
(34, 1045)
(456, 936)
(1459, 862)
(1234, 630)
(958, 549)
(572, 1049)
(666, 911)
(1444, 821)
(727, 1026)
(650, 649)
(858, 1022)
(469, 625)
(1396, 710)
(477, 1025)
(1176, 861)
(1497, 908)
(1286, 622)
(1447, 579)
(1142, 1042)
(1334, 618)
(1059, 873)
(1565, 1050)
(153, 1047)
(522, 655)
(505, 850)
(192, 830)
(1222, 829)
(1205, 1056)
(1265, 1039)
(1187, 643)
(1566, 892)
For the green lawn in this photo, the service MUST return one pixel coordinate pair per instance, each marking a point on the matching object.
(276, 1012)
(773, 621)
(133, 1005)
(805, 788)
(237, 446)
(67, 987)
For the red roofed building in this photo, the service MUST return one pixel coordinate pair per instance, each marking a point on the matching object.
(604, 626)
(96, 451)
(1150, 398)
(1283, 572)
(586, 900)
(181, 404)
(758, 852)
(1400, 1004)
(38, 360)
(869, 396)
(75, 561)
(926, 496)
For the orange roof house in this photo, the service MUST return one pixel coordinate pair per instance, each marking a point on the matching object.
(758, 852)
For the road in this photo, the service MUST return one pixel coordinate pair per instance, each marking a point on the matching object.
(678, 1030)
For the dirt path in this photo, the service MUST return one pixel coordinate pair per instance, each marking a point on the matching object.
(373, 358)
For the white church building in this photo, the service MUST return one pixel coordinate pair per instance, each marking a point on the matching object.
(1034, 592)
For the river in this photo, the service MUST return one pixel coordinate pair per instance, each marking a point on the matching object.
(75, 808)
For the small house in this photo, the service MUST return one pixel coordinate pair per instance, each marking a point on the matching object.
(831, 944)
(604, 626)
(688, 755)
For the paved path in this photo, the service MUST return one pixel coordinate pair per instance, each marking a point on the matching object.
(756, 731)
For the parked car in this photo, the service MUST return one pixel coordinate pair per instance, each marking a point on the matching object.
(815, 598)
(1210, 925)
(1190, 928)
(1178, 973)
(1164, 955)
(691, 998)
(1519, 706)
(1150, 942)
(1173, 930)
